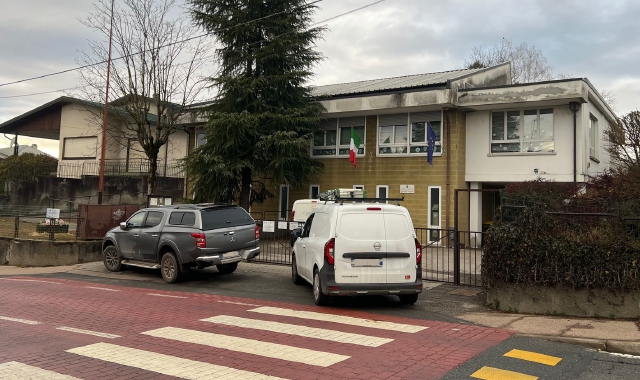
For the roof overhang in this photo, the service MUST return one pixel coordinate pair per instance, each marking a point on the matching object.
(41, 122)
(537, 94)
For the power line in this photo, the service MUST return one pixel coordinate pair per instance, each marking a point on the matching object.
(145, 51)
(200, 36)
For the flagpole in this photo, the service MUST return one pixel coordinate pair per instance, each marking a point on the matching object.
(106, 113)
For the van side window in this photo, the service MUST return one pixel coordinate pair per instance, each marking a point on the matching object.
(320, 226)
(307, 226)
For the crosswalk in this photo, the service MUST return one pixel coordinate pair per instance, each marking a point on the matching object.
(118, 352)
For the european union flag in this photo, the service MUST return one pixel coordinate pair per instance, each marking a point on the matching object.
(431, 143)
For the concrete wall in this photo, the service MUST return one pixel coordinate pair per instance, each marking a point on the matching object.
(116, 190)
(42, 253)
(536, 299)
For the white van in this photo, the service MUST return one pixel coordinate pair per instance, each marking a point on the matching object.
(302, 208)
(360, 248)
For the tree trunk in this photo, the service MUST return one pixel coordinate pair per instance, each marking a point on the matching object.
(245, 189)
(153, 167)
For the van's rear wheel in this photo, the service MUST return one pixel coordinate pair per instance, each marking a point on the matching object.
(319, 298)
(295, 277)
(227, 268)
(408, 299)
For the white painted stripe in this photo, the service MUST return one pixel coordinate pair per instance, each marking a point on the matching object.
(88, 332)
(19, 371)
(95, 287)
(25, 321)
(164, 364)
(629, 356)
(340, 319)
(249, 346)
(164, 295)
(24, 279)
(308, 332)
(238, 303)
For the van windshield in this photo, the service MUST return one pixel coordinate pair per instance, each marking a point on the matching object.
(221, 217)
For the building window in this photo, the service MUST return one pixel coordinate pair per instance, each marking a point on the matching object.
(314, 191)
(435, 214)
(79, 148)
(334, 137)
(382, 192)
(201, 139)
(284, 201)
(406, 134)
(522, 131)
(593, 137)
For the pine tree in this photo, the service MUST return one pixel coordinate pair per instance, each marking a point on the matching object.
(263, 119)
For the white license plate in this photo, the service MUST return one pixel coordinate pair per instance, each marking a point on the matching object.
(230, 254)
(376, 263)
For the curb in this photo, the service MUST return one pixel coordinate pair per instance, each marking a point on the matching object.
(609, 345)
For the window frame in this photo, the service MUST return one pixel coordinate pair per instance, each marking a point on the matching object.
(593, 137)
(338, 146)
(71, 139)
(407, 146)
(284, 212)
(311, 191)
(522, 139)
(386, 187)
(431, 234)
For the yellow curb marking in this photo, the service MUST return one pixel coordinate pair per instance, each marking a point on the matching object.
(533, 357)
(490, 373)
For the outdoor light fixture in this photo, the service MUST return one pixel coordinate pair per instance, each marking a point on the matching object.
(574, 106)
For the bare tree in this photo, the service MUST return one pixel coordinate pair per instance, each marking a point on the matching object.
(528, 64)
(154, 73)
(623, 141)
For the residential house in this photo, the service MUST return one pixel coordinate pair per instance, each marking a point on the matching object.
(77, 125)
(22, 149)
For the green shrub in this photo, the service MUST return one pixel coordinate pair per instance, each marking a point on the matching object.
(549, 234)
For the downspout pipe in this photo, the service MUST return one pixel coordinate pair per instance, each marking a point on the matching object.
(574, 107)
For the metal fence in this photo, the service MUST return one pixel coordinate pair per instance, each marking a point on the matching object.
(29, 222)
(441, 261)
(118, 167)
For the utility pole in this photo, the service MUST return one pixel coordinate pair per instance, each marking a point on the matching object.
(106, 113)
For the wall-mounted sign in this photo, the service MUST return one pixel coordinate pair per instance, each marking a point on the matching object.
(53, 213)
(407, 189)
(268, 226)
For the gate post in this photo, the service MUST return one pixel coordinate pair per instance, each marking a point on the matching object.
(456, 246)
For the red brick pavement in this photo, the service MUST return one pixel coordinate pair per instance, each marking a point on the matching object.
(127, 312)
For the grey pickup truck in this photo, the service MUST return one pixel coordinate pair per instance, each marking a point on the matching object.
(175, 238)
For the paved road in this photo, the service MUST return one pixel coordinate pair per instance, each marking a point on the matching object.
(255, 324)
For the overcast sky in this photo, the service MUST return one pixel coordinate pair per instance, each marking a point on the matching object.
(596, 39)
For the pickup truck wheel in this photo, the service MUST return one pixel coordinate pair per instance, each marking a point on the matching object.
(408, 299)
(319, 298)
(295, 277)
(170, 268)
(112, 260)
(227, 268)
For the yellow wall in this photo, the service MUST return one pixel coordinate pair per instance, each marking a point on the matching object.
(393, 171)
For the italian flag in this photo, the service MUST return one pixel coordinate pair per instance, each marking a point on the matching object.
(353, 146)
